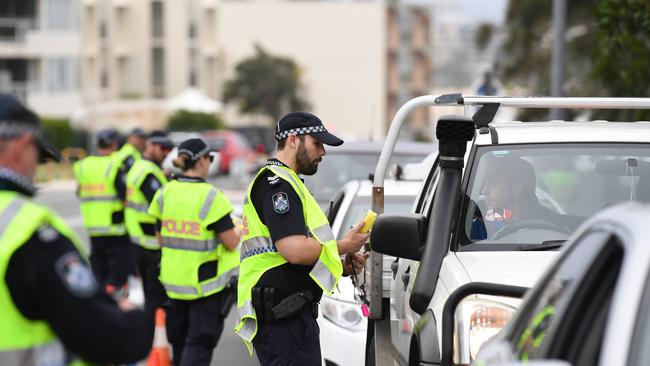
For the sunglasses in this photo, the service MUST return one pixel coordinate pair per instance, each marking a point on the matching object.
(211, 157)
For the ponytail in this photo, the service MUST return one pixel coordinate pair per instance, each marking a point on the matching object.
(182, 162)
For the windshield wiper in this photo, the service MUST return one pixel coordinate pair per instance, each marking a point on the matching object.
(545, 245)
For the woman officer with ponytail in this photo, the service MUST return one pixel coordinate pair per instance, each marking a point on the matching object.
(199, 254)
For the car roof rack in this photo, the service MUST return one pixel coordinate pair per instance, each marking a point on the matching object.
(489, 105)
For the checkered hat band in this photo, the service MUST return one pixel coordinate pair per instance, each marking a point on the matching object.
(160, 140)
(299, 131)
(10, 129)
(192, 155)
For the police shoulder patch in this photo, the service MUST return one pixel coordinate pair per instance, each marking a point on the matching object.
(76, 275)
(280, 202)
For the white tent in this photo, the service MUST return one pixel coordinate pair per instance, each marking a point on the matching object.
(193, 100)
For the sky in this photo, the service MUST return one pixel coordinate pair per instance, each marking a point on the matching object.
(472, 11)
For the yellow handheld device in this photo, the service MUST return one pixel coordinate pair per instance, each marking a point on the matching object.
(368, 220)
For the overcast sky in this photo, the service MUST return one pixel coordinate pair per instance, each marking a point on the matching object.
(471, 11)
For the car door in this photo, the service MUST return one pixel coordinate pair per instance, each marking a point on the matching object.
(567, 318)
(402, 317)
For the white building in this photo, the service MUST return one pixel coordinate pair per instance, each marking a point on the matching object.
(350, 54)
(39, 54)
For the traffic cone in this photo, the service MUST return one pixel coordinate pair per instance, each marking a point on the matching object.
(159, 355)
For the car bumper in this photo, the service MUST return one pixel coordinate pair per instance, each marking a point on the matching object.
(340, 346)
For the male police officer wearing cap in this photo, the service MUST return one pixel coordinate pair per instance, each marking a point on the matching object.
(142, 182)
(289, 255)
(52, 312)
(102, 191)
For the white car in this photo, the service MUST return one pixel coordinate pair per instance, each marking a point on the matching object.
(592, 307)
(342, 324)
(497, 204)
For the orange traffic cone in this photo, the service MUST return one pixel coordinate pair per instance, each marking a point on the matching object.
(159, 355)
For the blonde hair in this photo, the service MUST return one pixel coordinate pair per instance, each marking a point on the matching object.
(183, 162)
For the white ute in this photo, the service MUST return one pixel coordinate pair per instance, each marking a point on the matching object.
(497, 204)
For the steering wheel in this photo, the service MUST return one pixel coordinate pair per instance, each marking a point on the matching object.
(529, 224)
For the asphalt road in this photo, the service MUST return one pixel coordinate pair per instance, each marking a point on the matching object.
(60, 196)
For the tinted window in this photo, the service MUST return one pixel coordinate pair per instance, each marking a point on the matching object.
(529, 194)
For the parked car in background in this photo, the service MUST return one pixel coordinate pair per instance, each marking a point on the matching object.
(234, 150)
(342, 324)
(592, 307)
(356, 160)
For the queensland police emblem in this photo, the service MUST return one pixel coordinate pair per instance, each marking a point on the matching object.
(280, 202)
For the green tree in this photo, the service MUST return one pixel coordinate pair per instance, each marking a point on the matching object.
(267, 85)
(194, 121)
(607, 51)
(58, 131)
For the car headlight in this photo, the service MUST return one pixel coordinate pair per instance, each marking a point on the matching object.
(344, 314)
(478, 320)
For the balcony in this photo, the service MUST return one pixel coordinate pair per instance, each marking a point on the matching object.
(14, 30)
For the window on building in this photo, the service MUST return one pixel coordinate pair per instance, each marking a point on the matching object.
(61, 14)
(62, 74)
(158, 72)
(157, 19)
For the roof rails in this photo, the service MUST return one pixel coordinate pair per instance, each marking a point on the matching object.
(489, 105)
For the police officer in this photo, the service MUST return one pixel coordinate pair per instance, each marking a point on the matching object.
(52, 311)
(102, 191)
(199, 255)
(132, 149)
(142, 181)
(289, 254)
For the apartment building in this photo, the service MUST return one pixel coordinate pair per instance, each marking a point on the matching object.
(39, 54)
(138, 53)
(360, 60)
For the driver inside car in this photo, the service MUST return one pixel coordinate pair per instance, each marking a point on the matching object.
(509, 198)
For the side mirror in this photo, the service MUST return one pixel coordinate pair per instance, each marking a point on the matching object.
(398, 235)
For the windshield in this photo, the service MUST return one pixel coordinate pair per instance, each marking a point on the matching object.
(361, 205)
(338, 169)
(539, 194)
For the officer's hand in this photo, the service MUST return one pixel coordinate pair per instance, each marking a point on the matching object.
(126, 305)
(356, 260)
(353, 240)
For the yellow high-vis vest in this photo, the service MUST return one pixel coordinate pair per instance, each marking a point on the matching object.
(126, 151)
(137, 205)
(186, 209)
(23, 339)
(259, 254)
(99, 199)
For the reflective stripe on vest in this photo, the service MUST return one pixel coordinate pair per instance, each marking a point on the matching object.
(99, 198)
(150, 242)
(249, 329)
(106, 230)
(161, 199)
(256, 245)
(197, 245)
(220, 281)
(9, 212)
(207, 203)
(49, 354)
(137, 207)
(187, 290)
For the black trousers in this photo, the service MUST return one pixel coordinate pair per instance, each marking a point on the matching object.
(194, 328)
(148, 265)
(112, 259)
(289, 342)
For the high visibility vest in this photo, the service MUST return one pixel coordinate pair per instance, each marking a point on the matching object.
(137, 205)
(22, 340)
(185, 210)
(99, 199)
(126, 151)
(259, 254)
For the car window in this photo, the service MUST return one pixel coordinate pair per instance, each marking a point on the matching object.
(361, 205)
(337, 169)
(531, 194)
(548, 310)
(428, 192)
(216, 143)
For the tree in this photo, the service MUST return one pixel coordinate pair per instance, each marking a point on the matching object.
(267, 85)
(607, 51)
(58, 131)
(194, 121)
